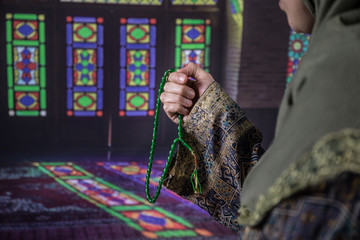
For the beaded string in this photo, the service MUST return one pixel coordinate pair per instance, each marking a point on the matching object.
(196, 186)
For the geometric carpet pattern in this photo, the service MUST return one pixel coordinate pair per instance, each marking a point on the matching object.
(137, 172)
(95, 200)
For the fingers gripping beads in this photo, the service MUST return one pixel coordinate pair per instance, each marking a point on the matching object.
(194, 176)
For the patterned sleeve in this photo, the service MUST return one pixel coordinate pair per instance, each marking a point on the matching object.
(329, 210)
(227, 145)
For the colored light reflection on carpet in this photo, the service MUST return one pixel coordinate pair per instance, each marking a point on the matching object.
(64, 170)
(134, 211)
(137, 172)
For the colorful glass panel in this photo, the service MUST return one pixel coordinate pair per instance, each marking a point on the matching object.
(152, 221)
(129, 2)
(298, 45)
(194, 2)
(26, 64)
(192, 42)
(137, 66)
(237, 8)
(84, 37)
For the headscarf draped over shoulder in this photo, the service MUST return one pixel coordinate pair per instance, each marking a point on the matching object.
(318, 128)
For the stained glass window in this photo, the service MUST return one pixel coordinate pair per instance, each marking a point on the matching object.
(298, 45)
(84, 59)
(137, 66)
(192, 42)
(237, 8)
(129, 2)
(194, 2)
(26, 62)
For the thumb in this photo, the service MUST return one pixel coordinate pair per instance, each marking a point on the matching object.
(203, 78)
(193, 70)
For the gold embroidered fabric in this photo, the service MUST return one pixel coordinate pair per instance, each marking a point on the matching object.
(332, 155)
(326, 211)
(227, 145)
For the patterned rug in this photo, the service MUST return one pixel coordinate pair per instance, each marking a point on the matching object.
(89, 199)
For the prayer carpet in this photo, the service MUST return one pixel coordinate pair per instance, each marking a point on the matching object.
(90, 199)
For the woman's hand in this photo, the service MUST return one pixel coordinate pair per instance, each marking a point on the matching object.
(180, 94)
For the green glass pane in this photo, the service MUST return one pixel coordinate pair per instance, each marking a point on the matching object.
(193, 46)
(8, 54)
(85, 32)
(27, 43)
(297, 46)
(42, 77)
(27, 113)
(11, 99)
(85, 53)
(84, 80)
(10, 76)
(208, 35)
(43, 99)
(84, 63)
(137, 33)
(193, 21)
(22, 16)
(137, 101)
(42, 55)
(27, 88)
(236, 5)
(195, 2)
(42, 32)
(85, 72)
(8, 31)
(85, 101)
(178, 36)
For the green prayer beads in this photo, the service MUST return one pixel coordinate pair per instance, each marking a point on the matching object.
(196, 186)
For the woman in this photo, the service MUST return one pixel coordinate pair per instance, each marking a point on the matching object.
(307, 184)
